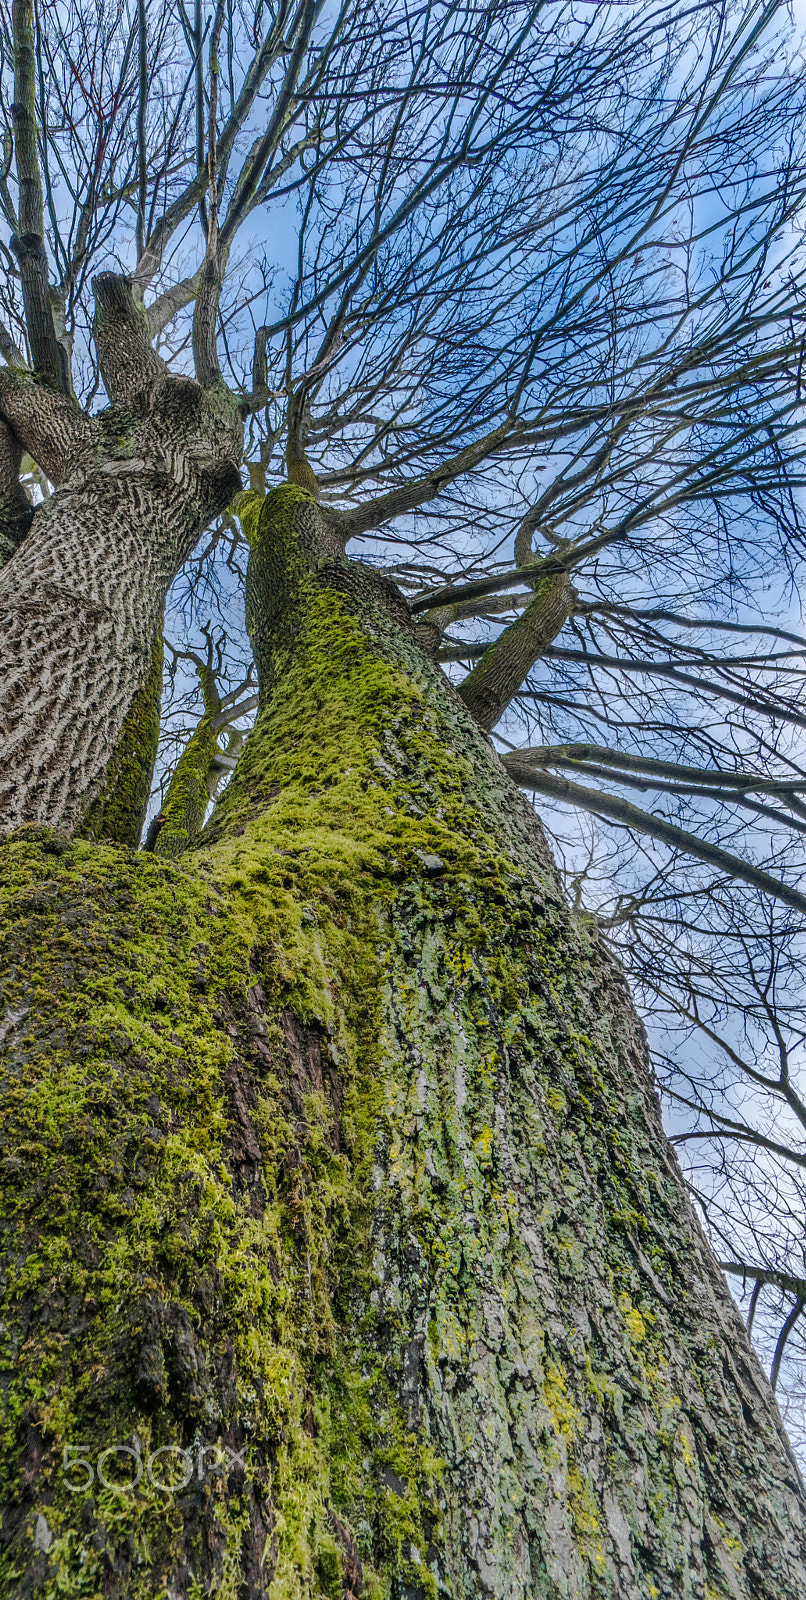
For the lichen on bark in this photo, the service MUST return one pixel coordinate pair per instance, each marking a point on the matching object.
(335, 1145)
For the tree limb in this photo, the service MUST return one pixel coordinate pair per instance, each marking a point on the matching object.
(10, 350)
(130, 367)
(573, 754)
(29, 246)
(663, 669)
(489, 688)
(168, 305)
(51, 426)
(762, 1275)
(781, 1345)
(614, 808)
(409, 496)
(562, 561)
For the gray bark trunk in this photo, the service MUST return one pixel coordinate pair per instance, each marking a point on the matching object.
(81, 598)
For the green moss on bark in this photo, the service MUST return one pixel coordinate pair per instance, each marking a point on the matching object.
(335, 1145)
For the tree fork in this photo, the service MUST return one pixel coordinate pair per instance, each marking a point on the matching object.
(336, 1185)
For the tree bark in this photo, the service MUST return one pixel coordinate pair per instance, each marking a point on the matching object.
(495, 680)
(82, 596)
(119, 810)
(29, 244)
(334, 1172)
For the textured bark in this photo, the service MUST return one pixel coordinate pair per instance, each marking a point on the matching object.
(336, 1148)
(130, 368)
(81, 600)
(119, 811)
(489, 688)
(51, 426)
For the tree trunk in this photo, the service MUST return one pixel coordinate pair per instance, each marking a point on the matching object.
(338, 1213)
(82, 596)
(120, 807)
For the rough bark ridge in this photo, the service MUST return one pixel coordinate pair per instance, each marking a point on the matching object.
(335, 1149)
(119, 810)
(81, 598)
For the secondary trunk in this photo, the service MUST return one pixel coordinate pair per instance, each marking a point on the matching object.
(344, 1254)
(82, 597)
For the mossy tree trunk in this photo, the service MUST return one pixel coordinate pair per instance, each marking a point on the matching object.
(334, 1172)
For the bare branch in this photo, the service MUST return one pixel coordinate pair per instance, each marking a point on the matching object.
(489, 688)
(622, 811)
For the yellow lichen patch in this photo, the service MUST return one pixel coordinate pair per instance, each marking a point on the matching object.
(555, 1100)
(636, 1326)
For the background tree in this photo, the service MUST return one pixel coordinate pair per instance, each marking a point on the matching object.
(334, 1147)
